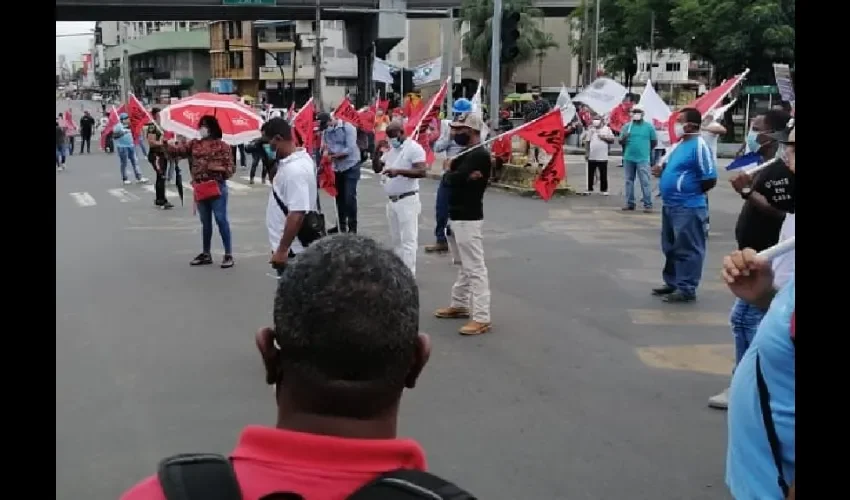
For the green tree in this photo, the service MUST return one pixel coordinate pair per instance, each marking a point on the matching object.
(737, 34)
(542, 45)
(477, 41)
(109, 76)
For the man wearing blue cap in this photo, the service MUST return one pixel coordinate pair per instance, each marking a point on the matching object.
(123, 141)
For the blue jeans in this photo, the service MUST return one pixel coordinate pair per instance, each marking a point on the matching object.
(642, 171)
(683, 245)
(207, 209)
(745, 320)
(442, 208)
(125, 155)
(346, 198)
(60, 155)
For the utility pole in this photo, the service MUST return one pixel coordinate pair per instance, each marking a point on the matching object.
(125, 75)
(317, 70)
(449, 40)
(651, 44)
(596, 43)
(495, 64)
(584, 43)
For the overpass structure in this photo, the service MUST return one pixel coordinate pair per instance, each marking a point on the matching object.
(251, 10)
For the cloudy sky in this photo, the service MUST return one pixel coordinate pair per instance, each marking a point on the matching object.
(72, 47)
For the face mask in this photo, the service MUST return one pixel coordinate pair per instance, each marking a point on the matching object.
(752, 141)
(637, 117)
(679, 129)
(461, 139)
(204, 131)
(267, 148)
(596, 123)
(395, 142)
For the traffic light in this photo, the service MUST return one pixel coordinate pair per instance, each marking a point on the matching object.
(510, 36)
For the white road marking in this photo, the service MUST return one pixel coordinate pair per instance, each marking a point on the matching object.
(123, 195)
(366, 175)
(152, 189)
(236, 186)
(84, 199)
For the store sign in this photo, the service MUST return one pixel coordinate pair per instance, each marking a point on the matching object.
(162, 83)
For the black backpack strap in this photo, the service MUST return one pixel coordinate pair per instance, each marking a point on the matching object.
(405, 484)
(772, 437)
(280, 203)
(198, 476)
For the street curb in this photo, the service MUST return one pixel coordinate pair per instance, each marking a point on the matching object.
(517, 190)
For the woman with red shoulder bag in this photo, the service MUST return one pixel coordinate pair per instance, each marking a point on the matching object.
(212, 164)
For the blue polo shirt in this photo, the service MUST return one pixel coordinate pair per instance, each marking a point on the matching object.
(690, 163)
(750, 470)
(638, 147)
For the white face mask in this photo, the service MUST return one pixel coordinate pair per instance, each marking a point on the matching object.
(679, 129)
(204, 131)
(636, 117)
(597, 123)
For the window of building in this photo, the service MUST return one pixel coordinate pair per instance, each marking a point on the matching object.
(238, 32)
(328, 52)
(673, 66)
(235, 60)
(642, 67)
(157, 26)
(148, 26)
(182, 25)
(279, 59)
(284, 33)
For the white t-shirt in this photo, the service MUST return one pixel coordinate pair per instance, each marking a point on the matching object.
(403, 158)
(599, 149)
(783, 266)
(295, 185)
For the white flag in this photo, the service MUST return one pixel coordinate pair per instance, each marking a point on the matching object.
(654, 107)
(568, 109)
(602, 96)
(477, 108)
(428, 72)
(382, 72)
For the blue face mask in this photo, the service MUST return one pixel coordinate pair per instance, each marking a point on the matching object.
(752, 141)
(395, 142)
(271, 153)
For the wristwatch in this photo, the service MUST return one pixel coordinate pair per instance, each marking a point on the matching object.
(746, 192)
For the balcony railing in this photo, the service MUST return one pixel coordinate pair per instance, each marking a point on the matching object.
(275, 37)
(273, 73)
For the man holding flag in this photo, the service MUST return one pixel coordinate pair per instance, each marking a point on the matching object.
(123, 139)
(339, 139)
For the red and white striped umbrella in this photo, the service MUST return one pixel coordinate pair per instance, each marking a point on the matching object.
(239, 123)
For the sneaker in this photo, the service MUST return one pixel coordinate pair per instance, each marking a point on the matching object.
(142, 180)
(474, 328)
(628, 209)
(127, 182)
(437, 248)
(167, 206)
(604, 193)
(720, 401)
(647, 210)
(203, 259)
(663, 290)
(456, 262)
(678, 297)
(227, 262)
(452, 312)
(251, 181)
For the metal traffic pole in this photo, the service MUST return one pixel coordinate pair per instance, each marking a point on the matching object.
(495, 64)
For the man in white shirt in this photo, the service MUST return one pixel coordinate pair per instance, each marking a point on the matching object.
(597, 140)
(293, 194)
(403, 165)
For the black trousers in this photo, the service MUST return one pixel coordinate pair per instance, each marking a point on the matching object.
(160, 166)
(346, 199)
(85, 143)
(257, 158)
(241, 148)
(602, 168)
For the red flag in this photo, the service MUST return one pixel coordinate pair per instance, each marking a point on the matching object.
(303, 125)
(346, 112)
(547, 133)
(707, 102)
(107, 129)
(620, 116)
(139, 117)
(366, 119)
(327, 179)
(417, 126)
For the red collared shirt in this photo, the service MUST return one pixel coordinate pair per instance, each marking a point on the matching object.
(268, 460)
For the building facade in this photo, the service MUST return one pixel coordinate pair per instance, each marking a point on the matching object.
(663, 67)
(234, 71)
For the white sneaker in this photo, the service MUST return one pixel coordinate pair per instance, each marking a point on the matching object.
(143, 180)
(720, 401)
(604, 193)
(127, 183)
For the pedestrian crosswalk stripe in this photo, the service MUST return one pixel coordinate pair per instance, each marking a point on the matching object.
(123, 195)
(84, 199)
(237, 186)
(168, 193)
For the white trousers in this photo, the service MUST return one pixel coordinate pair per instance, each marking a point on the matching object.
(472, 287)
(403, 216)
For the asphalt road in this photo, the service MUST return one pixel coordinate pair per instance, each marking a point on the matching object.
(587, 388)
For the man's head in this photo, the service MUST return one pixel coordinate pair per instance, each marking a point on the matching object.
(86, 113)
(395, 134)
(467, 129)
(637, 113)
(279, 138)
(346, 325)
(535, 96)
(155, 114)
(61, 116)
(325, 120)
(764, 127)
(689, 121)
(124, 118)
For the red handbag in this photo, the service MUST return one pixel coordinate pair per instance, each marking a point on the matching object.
(207, 190)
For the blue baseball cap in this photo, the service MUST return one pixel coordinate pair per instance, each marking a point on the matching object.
(123, 116)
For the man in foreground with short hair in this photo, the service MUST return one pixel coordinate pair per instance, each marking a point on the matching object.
(344, 346)
(467, 177)
(403, 165)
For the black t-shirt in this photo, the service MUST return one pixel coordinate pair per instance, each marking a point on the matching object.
(466, 195)
(755, 228)
(86, 125)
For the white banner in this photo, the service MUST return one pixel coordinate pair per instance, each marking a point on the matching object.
(568, 109)
(654, 107)
(603, 95)
(382, 71)
(428, 72)
(782, 73)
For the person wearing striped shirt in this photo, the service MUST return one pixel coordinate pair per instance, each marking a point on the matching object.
(690, 172)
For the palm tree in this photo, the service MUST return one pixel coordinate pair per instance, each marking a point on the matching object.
(542, 45)
(477, 41)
